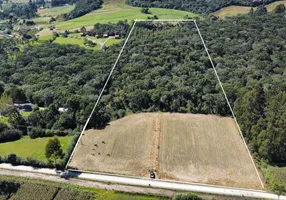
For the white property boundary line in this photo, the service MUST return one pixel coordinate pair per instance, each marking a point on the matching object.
(206, 49)
(100, 95)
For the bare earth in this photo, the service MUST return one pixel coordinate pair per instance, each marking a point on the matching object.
(183, 147)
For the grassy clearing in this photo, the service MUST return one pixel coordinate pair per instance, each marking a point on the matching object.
(270, 7)
(232, 11)
(25, 114)
(54, 12)
(115, 12)
(27, 147)
(76, 39)
(208, 147)
(235, 10)
(41, 20)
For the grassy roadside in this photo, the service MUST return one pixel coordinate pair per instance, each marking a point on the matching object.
(98, 193)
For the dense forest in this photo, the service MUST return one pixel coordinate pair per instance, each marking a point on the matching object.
(19, 10)
(198, 6)
(163, 68)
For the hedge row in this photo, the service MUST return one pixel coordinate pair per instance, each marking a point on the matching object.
(38, 132)
(16, 160)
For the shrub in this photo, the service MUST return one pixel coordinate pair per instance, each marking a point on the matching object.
(36, 132)
(12, 158)
(10, 135)
(186, 196)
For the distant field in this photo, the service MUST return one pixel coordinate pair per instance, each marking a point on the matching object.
(27, 147)
(54, 12)
(270, 7)
(115, 12)
(20, 1)
(77, 40)
(235, 10)
(232, 11)
(184, 147)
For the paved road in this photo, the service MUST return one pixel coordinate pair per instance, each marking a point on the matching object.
(168, 185)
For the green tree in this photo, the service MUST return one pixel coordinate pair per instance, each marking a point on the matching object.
(145, 10)
(261, 10)
(279, 9)
(250, 109)
(54, 150)
(83, 29)
(186, 196)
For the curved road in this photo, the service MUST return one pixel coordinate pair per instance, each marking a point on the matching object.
(144, 182)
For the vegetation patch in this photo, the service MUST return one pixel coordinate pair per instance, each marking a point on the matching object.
(116, 12)
(20, 188)
(235, 10)
(55, 11)
(26, 147)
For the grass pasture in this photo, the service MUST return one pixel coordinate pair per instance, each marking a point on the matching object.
(270, 7)
(184, 147)
(26, 147)
(232, 11)
(55, 11)
(235, 10)
(114, 12)
(76, 39)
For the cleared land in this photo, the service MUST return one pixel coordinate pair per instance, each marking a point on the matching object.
(235, 10)
(26, 147)
(116, 10)
(232, 11)
(184, 147)
(54, 12)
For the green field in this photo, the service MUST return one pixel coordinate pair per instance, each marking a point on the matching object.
(77, 40)
(27, 147)
(235, 10)
(115, 12)
(54, 12)
(41, 20)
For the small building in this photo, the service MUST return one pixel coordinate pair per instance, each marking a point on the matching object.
(24, 107)
(117, 36)
(63, 110)
(105, 35)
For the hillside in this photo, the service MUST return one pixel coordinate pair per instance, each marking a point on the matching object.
(235, 10)
(184, 147)
(115, 11)
(198, 6)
